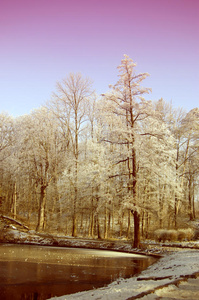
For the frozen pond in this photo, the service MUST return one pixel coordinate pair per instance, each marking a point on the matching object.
(38, 272)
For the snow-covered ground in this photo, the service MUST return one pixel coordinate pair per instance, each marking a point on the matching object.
(171, 267)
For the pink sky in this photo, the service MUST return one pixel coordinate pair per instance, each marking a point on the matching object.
(44, 40)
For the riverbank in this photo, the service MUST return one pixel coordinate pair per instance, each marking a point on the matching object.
(12, 235)
(148, 247)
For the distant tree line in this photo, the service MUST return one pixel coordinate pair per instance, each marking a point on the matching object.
(114, 165)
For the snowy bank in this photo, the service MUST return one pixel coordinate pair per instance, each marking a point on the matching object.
(171, 267)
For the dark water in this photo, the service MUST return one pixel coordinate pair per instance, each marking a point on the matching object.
(37, 272)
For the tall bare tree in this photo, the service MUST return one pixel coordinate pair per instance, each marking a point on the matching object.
(69, 104)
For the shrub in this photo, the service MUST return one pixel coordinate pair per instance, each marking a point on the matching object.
(158, 234)
(181, 235)
(163, 235)
(185, 234)
(171, 235)
(196, 235)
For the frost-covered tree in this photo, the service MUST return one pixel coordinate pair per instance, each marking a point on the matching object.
(144, 145)
(190, 171)
(69, 104)
(7, 140)
(157, 168)
(41, 155)
(183, 128)
(126, 102)
(6, 135)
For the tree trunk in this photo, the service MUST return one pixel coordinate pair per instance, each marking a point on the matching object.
(129, 225)
(42, 207)
(98, 227)
(91, 221)
(142, 224)
(136, 241)
(147, 226)
(74, 228)
(105, 223)
(109, 225)
(121, 223)
(190, 200)
(14, 202)
(14, 221)
(113, 215)
(136, 215)
(193, 203)
(176, 212)
(59, 214)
